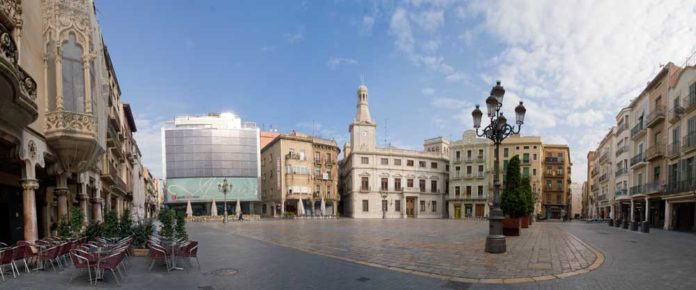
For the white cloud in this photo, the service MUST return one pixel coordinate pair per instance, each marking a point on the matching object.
(294, 37)
(368, 22)
(430, 21)
(584, 118)
(335, 62)
(428, 91)
(400, 27)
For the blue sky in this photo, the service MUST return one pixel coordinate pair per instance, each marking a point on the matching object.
(297, 64)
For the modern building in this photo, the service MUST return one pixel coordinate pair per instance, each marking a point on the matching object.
(391, 182)
(199, 152)
(469, 182)
(65, 136)
(651, 161)
(299, 175)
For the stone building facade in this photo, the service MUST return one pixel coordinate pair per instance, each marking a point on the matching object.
(391, 182)
(299, 174)
(469, 182)
(65, 136)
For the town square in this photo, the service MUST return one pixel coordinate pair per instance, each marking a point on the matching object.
(358, 144)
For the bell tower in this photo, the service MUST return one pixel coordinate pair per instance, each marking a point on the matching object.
(362, 130)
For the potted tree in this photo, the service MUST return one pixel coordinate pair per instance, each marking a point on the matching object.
(141, 233)
(526, 196)
(512, 202)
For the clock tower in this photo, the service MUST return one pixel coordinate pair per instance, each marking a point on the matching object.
(362, 130)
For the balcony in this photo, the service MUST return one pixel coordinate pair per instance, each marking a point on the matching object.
(365, 189)
(621, 149)
(653, 187)
(480, 159)
(594, 172)
(675, 114)
(638, 160)
(554, 174)
(602, 197)
(656, 116)
(525, 162)
(73, 136)
(689, 104)
(553, 160)
(621, 171)
(621, 128)
(638, 131)
(637, 189)
(604, 157)
(594, 187)
(620, 192)
(677, 187)
(317, 161)
(480, 175)
(295, 156)
(674, 150)
(553, 188)
(329, 162)
(469, 160)
(18, 106)
(689, 142)
(654, 152)
(111, 177)
(604, 177)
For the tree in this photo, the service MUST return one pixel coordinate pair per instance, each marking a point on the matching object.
(512, 202)
(76, 221)
(110, 227)
(166, 217)
(126, 224)
(181, 227)
(527, 195)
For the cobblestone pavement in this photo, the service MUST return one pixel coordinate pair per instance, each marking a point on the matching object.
(442, 248)
(658, 260)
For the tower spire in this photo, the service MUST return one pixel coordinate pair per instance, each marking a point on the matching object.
(363, 113)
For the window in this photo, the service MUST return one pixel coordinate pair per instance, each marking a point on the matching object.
(317, 156)
(433, 165)
(525, 157)
(480, 155)
(385, 183)
(457, 191)
(397, 205)
(468, 170)
(397, 184)
(409, 163)
(447, 167)
(468, 154)
(480, 170)
(73, 77)
(480, 191)
(457, 171)
(365, 183)
(409, 183)
(506, 152)
(397, 162)
(421, 184)
(385, 205)
(318, 189)
(434, 206)
(458, 155)
(525, 171)
(421, 164)
(534, 171)
(317, 169)
(468, 191)
(433, 186)
(526, 147)
(534, 156)
(384, 161)
(328, 156)
(422, 205)
(364, 160)
(365, 205)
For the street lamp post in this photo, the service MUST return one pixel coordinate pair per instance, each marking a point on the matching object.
(225, 187)
(497, 131)
(384, 205)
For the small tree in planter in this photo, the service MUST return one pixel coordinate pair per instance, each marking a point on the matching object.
(110, 227)
(512, 202)
(141, 233)
(181, 227)
(76, 222)
(63, 228)
(93, 231)
(125, 224)
(526, 195)
(166, 217)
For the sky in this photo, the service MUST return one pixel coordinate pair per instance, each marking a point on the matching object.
(296, 65)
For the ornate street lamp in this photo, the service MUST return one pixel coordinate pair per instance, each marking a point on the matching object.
(497, 131)
(225, 187)
(384, 204)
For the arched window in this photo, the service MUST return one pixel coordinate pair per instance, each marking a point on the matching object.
(73, 77)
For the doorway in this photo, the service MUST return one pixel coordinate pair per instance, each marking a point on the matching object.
(684, 216)
(457, 211)
(479, 210)
(410, 209)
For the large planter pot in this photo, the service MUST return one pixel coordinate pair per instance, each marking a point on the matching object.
(634, 226)
(140, 252)
(524, 222)
(511, 226)
(611, 222)
(617, 223)
(645, 227)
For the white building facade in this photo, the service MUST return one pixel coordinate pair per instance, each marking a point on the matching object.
(470, 174)
(391, 182)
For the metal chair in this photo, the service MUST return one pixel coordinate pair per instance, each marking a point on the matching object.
(6, 256)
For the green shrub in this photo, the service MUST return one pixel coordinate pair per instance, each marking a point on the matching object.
(125, 224)
(110, 227)
(166, 217)
(141, 233)
(181, 227)
(512, 202)
(76, 220)
(93, 231)
(64, 228)
(527, 196)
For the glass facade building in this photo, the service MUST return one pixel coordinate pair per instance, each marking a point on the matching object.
(200, 151)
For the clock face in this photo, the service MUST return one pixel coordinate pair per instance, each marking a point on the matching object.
(363, 133)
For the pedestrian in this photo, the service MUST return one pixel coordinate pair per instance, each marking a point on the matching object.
(241, 216)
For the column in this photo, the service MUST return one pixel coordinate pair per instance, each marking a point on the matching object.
(403, 207)
(611, 212)
(83, 197)
(668, 215)
(62, 192)
(631, 214)
(29, 209)
(647, 209)
(97, 204)
(335, 208)
(282, 208)
(108, 201)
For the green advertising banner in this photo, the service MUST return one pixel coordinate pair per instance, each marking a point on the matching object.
(206, 189)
